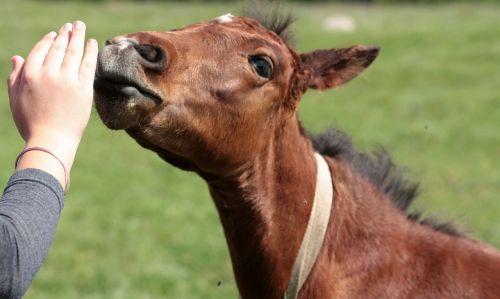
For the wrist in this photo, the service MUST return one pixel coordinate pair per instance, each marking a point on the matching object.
(62, 147)
(43, 159)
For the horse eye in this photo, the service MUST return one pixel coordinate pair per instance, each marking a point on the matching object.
(262, 66)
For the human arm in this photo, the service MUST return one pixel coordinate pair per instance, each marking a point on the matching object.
(50, 97)
(29, 212)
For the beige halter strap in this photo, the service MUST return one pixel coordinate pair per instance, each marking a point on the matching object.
(315, 231)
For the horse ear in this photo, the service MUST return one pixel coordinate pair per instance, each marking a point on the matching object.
(334, 67)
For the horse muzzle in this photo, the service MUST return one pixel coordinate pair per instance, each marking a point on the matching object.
(122, 93)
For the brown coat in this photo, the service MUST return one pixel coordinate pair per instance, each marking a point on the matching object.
(220, 98)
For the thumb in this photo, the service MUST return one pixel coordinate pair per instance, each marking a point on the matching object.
(17, 66)
(15, 78)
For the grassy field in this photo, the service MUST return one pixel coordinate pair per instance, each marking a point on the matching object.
(134, 227)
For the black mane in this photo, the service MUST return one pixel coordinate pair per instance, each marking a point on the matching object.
(270, 15)
(382, 172)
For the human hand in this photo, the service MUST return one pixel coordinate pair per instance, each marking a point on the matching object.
(51, 93)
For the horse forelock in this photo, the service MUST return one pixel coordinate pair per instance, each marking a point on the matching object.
(270, 15)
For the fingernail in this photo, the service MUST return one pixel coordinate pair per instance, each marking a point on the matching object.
(78, 25)
(93, 42)
(51, 34)
(68, 26)
(16, 59)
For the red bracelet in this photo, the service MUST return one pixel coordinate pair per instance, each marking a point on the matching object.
(41, 149)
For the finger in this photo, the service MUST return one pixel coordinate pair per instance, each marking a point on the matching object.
(55, 56)
(74, 52)
(89, 62)
(17, 65)
(35, 58)
(15, 77)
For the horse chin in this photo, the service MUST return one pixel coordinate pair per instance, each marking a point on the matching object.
(167, 155)
(116, 116)
(120, 106)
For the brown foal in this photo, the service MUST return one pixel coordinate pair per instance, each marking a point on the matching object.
(220, 98)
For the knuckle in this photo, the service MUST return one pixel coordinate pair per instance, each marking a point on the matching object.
(51, 77)
(67, 76)
(71, 51)
(89, 64)
(59, 47)
(29, 77)
(70, 80)
(86, 67)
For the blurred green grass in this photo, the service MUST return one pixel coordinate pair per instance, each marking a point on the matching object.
(134, 227)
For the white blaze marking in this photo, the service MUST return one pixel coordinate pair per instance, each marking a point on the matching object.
(225, 18)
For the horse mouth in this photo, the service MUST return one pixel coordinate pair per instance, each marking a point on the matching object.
(123, 103)
(126, 87)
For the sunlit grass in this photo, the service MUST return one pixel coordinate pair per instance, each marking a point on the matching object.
(134, 227)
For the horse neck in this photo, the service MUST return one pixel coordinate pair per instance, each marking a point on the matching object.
(264, 210)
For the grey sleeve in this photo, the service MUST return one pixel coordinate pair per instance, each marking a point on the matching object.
(29, 212)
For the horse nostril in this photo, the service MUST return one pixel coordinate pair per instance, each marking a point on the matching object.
(108, 42)
(154, 56)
